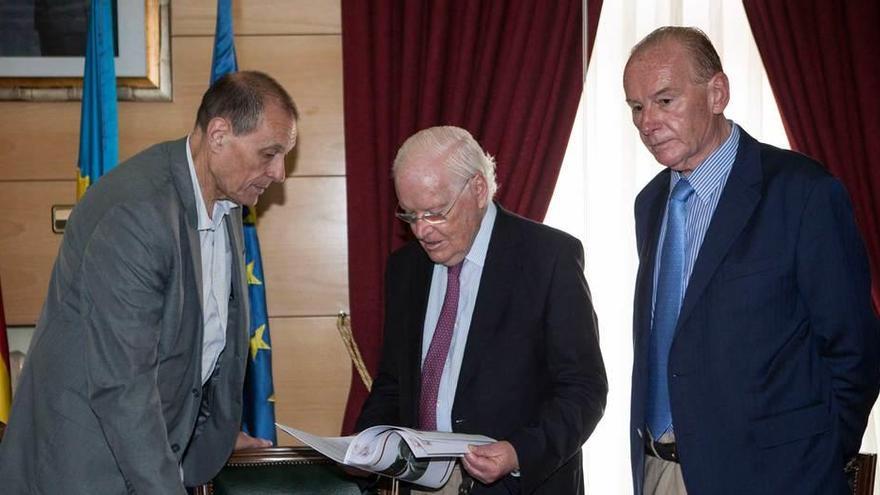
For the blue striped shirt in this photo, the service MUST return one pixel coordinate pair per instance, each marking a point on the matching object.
(708, 181)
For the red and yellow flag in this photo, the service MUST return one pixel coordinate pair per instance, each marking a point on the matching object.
(5, 382)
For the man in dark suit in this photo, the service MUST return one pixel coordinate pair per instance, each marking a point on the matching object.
(756, 346)
(489, 327)
(133, 381)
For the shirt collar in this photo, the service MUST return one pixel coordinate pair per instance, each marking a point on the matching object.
(480, 247)
(221, 207)
(710, 174)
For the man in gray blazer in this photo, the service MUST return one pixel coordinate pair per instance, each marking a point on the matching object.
(134, 377)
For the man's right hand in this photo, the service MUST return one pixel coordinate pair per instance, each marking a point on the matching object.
(246, 442)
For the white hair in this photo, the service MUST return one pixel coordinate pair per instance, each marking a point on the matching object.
(460, 152)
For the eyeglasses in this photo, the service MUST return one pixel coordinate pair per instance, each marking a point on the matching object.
(431, 217)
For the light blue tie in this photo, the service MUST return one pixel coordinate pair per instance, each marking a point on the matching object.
(667, 304)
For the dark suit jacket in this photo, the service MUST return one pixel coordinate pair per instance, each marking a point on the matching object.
(532, 371)
(774, 365)
(111, 400)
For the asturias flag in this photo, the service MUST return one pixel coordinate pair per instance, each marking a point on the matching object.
(258, 417)
(99, 129)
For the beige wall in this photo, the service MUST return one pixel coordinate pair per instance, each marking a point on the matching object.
(302, 222)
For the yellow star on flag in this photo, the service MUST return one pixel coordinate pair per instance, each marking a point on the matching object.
(251, 278)
(251, 217)
(257, 342)
(82, 183)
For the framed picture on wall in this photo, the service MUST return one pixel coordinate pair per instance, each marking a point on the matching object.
(43, 43)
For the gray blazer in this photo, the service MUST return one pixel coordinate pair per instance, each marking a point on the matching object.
(110, 400)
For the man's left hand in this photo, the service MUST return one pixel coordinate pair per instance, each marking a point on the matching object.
(489, 463)
(244, 442)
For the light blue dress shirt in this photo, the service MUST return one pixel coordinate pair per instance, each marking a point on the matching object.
(708, 181)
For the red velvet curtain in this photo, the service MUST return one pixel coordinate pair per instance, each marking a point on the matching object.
(823, 61)
(508, 71)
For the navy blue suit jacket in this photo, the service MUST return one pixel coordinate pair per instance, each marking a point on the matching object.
(776, 357)
(532, 372)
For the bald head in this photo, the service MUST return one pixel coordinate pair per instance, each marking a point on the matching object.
(703, 58)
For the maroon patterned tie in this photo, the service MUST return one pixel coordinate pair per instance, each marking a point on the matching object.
(435, 360)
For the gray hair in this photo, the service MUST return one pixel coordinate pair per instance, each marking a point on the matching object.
(460, 152)
(704, 59)
(241, 97)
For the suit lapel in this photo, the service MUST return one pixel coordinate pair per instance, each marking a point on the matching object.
(649, 218)
(738, 201)
(183, 183)
(420, 288)
(239, 295)
(501, 269)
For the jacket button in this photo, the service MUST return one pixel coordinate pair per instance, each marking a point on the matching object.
(195, 392)
(175, 447)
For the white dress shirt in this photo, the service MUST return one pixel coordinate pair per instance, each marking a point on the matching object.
(471, 272)
(216, 257)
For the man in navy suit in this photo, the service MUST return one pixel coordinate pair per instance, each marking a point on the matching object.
(755, 344)
(521, 360)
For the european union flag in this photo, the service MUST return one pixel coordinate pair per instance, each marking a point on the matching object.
(258, 417)
(99, 128)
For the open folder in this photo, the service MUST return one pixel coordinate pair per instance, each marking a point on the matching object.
(425, 458)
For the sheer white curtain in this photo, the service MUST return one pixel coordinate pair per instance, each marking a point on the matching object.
(606, 166)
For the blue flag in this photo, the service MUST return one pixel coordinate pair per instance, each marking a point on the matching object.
(258, 417)
(223, 61)
(98, 128)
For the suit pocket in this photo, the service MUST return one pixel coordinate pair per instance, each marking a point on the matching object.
(730, 271)
(791, 425)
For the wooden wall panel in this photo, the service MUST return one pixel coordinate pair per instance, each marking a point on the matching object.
(197, 17)
(311, 372)
(302, 230)
(41, 142)
(310, 68)
(313, 77)
(28, 245)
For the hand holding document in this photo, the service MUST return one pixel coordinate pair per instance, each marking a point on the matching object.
(425, 458)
